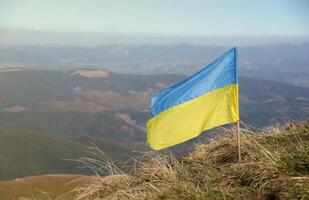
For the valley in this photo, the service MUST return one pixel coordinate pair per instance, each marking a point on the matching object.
(49, 118)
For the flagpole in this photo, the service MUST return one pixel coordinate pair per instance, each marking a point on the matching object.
(237, 134)
(238, 140)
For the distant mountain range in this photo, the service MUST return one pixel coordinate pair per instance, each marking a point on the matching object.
(124, 98)
(47, 117)
(280, 62)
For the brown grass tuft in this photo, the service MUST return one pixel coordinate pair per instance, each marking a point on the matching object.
(275, 166)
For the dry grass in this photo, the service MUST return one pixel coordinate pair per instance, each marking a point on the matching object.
(46, 187)
(275, 166)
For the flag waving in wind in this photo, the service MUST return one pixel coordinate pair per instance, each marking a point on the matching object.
(203, 101)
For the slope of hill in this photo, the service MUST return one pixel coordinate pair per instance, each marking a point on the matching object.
(58, 91)
(275, 165)
(265, 102)
(72, 123)
(28, 154)
(41, 187)
(41, 90)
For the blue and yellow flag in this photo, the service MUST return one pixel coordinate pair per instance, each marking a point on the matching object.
(203, 101)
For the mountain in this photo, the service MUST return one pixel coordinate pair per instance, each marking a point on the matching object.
(120, 102)
(286, 63)
(27, 154)
(40, 90)
(73, 123)
(264, 102)
(47, 117)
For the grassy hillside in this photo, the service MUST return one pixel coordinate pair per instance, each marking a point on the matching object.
(41, 187)
(28, 154)
(275, 166)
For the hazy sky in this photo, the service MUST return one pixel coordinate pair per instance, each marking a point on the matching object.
(178, 17)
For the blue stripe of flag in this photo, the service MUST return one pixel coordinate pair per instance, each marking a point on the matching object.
(220, 73)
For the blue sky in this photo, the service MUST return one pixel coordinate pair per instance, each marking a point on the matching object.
(176, 17)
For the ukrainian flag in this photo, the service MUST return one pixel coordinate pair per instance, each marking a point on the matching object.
(203, 101)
